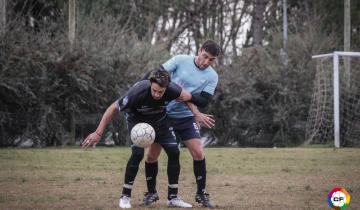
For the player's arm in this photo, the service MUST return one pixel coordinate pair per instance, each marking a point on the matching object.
(94, 138)
(201, 118)
(206, 120)
(201, 99)
(184, 96)
(125, 102)
(174, 91)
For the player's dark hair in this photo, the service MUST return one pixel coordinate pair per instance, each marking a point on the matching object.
(211, 47)
(160, 77)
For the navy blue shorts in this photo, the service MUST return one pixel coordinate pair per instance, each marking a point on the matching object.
(164, 134)
(186, 128)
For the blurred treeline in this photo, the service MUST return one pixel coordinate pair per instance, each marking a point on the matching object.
(51, 93)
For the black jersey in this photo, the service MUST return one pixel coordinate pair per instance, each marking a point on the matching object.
(140, 106)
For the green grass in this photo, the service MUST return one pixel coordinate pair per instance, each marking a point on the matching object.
(238, 178)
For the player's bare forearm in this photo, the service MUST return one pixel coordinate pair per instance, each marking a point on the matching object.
(106, 118)
(206, 120)
(193, 108)
(94, 138)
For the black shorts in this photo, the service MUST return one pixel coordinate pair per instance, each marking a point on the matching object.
(164, 134)
(186, 128)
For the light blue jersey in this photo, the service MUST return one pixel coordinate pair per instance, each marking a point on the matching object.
(187, 75)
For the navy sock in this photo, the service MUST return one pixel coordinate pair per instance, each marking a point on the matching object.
(200, 175)
(151, 170)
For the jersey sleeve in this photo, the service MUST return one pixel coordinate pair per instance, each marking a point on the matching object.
(171, 64)
(133, 96)
(210, 87)
(127, 101)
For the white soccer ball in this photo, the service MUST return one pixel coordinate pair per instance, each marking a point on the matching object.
(142, 135)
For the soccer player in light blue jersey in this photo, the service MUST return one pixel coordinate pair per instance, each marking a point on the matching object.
(196, 75)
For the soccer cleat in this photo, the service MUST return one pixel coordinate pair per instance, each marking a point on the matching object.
(124, 202)
(203, 198)
(178, 202)
(150, 198)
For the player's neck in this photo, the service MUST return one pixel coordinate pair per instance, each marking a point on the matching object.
(197, 66)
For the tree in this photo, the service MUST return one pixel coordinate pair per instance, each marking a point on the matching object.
(72, 23)
(258, 22)
(2, 16)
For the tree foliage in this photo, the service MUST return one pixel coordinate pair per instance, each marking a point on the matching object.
(43, 85)
(45, 88)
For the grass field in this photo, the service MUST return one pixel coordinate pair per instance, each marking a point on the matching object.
(238, 178)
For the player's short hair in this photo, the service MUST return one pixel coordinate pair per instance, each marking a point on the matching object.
(211, 47)
(160, 77)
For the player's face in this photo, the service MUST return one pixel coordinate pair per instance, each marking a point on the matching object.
(156, 91)
(204, 59)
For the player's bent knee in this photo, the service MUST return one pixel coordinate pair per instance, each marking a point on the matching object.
(198, 153)
(153, 153)
(150, 158)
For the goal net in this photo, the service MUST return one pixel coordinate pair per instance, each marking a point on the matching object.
(334, 113)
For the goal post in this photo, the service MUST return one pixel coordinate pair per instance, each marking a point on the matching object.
(338, 119)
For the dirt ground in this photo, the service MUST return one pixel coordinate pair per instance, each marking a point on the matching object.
(64, 181)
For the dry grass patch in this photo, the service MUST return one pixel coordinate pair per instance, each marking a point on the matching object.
(238, 178)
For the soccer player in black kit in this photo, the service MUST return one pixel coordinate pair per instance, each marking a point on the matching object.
(146, 102)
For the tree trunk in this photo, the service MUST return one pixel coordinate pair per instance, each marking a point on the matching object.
(258, 22)
(72, 27)
(72, 23)
(2, 16)
(347, 38)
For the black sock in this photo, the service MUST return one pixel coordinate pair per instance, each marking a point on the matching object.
(200, 175)
(173, 180)
(173, 171)
(132, 168)
(151, 170)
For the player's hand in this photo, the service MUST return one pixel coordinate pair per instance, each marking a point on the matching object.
(206, 120)
(91, 140)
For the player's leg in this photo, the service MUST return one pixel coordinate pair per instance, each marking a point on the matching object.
(173, 172)
(190, 136)
(199, 164)
(132, 168)
(151, 170)
(151, 164)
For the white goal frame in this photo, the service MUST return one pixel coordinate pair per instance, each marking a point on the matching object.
(336, 88)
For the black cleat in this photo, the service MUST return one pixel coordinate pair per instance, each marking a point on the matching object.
(150, 198)
(203, 198)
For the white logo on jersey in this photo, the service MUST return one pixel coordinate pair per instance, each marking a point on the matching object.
(125, 100)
